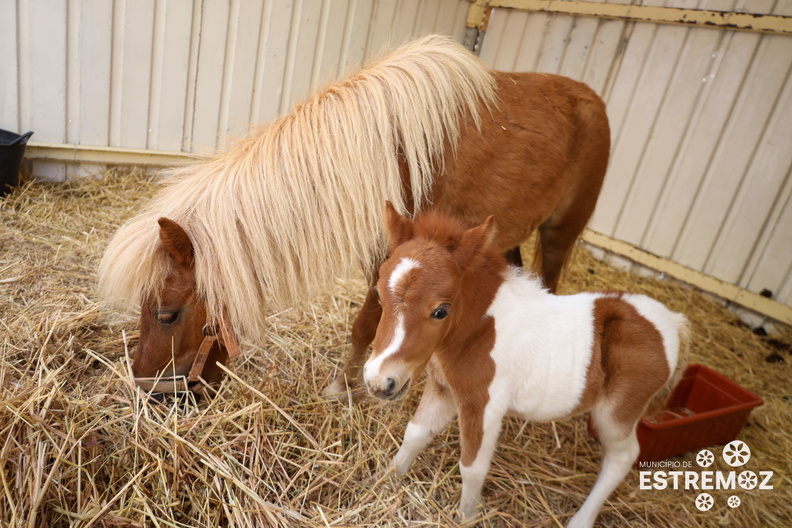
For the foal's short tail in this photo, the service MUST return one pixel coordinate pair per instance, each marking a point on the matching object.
(660, 399)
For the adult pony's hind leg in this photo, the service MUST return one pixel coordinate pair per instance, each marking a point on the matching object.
(554, 245)
(513, 256)
(363, 331)
(588, 163)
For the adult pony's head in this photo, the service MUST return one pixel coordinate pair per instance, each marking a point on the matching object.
(420, 290)
(178, 341)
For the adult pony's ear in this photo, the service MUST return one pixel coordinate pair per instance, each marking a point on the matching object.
(176, 242)
(400, 228)
(475, 241)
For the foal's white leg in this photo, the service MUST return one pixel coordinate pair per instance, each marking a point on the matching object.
(619, 454)
(436, 409)
(473, 475)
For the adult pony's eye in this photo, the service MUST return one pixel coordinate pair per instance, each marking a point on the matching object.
(167, 317)
(376, 292)
(441, 311)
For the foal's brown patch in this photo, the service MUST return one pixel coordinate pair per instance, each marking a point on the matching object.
(620, 335)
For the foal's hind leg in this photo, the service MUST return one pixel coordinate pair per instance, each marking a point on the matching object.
(620, 450)
(363, 331)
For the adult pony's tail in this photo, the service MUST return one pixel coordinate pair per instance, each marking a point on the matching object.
(660, 399)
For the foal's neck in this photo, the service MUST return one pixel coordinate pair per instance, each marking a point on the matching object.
(478, 287)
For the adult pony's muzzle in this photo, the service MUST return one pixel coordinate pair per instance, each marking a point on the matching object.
(213, 337)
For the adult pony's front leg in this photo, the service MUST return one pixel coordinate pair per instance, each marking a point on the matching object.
(478, 438)
(363, 331)
(436, 410)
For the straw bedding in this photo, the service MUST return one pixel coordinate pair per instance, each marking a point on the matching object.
(79, 446)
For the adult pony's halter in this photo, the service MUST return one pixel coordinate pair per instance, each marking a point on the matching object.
(212, 333)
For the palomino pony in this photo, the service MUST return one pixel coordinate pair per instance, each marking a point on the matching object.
(291, 207)
(495, 342)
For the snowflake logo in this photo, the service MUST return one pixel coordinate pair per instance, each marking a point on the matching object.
(736, 453)
(747, 480)
(704, 501)
(733, 502)
(705, 458)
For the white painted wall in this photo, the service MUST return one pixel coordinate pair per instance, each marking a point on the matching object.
(183, 75)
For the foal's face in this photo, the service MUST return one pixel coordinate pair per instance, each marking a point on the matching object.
(416, 289)
(171, 330)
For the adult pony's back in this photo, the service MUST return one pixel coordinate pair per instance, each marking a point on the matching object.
(296, 204)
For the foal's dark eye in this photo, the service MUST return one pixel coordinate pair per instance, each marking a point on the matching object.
(376, 292)
(441, 311)
(167, 317)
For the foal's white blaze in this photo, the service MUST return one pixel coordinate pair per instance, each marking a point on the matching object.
(404, 266)
(371, 369)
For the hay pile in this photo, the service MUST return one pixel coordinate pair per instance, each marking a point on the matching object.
(79, 447)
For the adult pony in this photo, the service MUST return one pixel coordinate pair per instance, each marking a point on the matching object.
(496, 342)
(296, 204)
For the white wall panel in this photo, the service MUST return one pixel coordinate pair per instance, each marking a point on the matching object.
(133, 30)
(9, 72)
(89, 114)
(169, 72)
(271, 64)
(240, 69)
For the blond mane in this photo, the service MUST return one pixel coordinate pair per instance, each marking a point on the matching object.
(296, 204)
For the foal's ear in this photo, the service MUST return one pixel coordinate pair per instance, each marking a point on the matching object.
(475, 241)
(176, 242)
(400, 228)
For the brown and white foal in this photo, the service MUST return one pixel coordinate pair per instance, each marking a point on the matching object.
(495, 342)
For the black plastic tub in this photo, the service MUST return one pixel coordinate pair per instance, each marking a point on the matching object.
(12, 148)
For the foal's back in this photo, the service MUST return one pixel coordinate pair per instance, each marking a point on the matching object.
(553, 353)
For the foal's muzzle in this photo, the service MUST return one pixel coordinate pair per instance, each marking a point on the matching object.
(388, 389)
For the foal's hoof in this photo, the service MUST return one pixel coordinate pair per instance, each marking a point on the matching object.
(467, 520)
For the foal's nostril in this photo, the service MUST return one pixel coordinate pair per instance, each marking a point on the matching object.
(390, 388)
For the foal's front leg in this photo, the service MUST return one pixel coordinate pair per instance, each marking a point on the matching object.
(479, 430)
(436, 410)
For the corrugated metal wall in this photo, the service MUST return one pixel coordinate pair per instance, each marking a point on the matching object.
(180, 75)
(702, 132)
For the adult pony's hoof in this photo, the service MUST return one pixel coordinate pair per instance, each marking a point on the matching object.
(339, 390)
